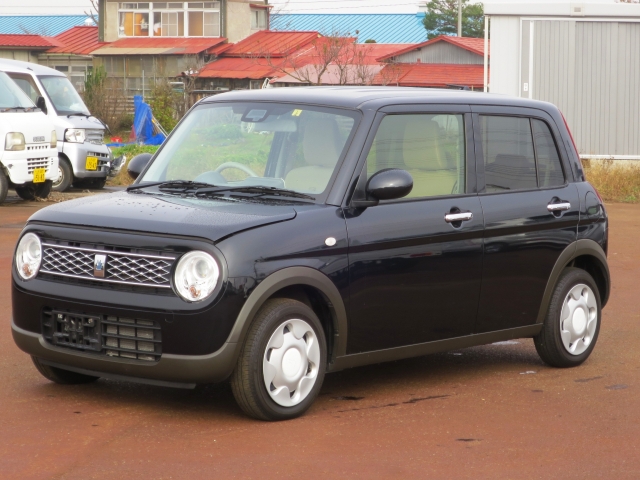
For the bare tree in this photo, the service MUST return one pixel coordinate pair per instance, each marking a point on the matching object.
(390, 74)
(93, 11)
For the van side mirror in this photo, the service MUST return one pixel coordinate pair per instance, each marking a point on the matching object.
(387, 184)
(137, 164)
(41, 104)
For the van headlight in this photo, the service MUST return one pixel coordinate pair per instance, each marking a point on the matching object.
(74, 135)
(196, 276)
(14, 141)
(28, 256)
(54, 139)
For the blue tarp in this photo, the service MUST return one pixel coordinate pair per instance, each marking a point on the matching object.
(143, 124)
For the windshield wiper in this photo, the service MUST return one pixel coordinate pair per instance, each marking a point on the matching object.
(79, 114)
(17, 108)
(257, 189)
(181, 186)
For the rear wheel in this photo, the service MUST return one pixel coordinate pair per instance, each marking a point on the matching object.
(65, 176)
(63, 377)
(282, 363)
(571, 328)
(31, 191)
(4, 186)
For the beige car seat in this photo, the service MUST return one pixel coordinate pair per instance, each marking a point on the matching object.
(426, 161)
(321, 150)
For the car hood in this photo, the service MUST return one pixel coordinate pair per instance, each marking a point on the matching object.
(204, 218)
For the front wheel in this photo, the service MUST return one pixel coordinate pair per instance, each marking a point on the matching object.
(63, 377)
(4, 186)
(65, 176)
(572, 324)
(282, 363)
(32, 191)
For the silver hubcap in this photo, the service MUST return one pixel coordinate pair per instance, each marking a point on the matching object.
(578, 319)
(60, 177)
(290, 363)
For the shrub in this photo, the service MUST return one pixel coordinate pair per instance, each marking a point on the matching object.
(614, 181)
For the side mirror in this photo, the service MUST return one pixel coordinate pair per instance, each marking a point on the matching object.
(389, 184)
(137, 164)
(41, 104)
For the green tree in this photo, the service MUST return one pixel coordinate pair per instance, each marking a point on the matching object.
(442, 18)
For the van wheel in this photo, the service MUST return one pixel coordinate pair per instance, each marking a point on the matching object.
(4, 186)
(31, 191)
(65, 176)
(63, 377)
(282, 363)
(572, 325)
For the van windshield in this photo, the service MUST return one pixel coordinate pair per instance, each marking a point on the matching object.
(273, 145)
(11, 96)
(64, 97)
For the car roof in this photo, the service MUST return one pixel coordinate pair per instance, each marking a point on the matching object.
(376, 97)
(27, 67)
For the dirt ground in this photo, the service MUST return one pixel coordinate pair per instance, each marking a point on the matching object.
(488, 412)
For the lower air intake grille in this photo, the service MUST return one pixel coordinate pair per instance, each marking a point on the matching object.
(131, 338)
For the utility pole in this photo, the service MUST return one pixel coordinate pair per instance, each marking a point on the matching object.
(459, 18)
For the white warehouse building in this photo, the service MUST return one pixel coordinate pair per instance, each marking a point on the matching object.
(583, 57)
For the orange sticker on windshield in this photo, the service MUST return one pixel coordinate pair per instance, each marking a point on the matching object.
(296, 113)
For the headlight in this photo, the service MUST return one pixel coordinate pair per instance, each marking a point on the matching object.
(74, 135)
(28, 256)
(196, 276)
(54, 139)
(14, 141)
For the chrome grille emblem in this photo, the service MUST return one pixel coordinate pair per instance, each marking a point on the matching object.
(99, 265)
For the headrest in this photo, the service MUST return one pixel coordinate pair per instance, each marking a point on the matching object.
(321, 141)
(421, 148)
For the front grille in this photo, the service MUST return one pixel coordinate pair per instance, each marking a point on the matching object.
(103, 159)
(132, 338)
(40, 146)
(95, 136)
(119, 267)
(33, 163)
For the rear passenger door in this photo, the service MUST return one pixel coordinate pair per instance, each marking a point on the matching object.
(531, 211)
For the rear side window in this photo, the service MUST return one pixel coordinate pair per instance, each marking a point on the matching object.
(519, 154)
(549, 166)
(509, 160)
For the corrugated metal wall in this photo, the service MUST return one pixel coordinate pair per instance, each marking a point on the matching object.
(505, 54)
(441, 52)
(591, 71)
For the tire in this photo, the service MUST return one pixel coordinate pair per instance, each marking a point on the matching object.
(31, 191)
(577, 291)
(65, 178)
(274, 321)
(63, 377)
(4, 186)
(98, 183)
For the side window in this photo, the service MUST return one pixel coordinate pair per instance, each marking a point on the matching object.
(509, 162)
(26, 83)
(549, 165)
(430, 147)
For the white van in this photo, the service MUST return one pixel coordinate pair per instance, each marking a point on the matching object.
(84, 159)
(29, 157)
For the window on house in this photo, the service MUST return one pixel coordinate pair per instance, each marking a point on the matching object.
(258, 19)
(169, 19)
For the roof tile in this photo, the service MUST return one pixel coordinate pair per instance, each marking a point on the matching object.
(159, 46)
(430, 75)
(78, 41)
(269, 43)
(29, 41)
(474, 45)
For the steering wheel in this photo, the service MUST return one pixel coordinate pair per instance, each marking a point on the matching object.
(237, 165)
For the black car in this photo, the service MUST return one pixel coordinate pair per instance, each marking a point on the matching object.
(281, 234)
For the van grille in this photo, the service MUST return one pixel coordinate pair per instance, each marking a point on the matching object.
(131, 338)
(119, 267)
(33, 163)
(95, 136)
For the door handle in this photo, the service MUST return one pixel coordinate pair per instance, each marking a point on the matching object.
(458, 217)
(558, 207)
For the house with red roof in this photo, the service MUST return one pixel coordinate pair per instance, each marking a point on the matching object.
(444, 61)
(24, 47)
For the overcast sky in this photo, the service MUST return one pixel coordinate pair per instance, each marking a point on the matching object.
(77, 7)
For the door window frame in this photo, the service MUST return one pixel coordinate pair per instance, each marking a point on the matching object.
(531, 114)
(426, 109)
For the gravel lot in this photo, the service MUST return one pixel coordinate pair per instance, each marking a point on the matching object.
(485, 412)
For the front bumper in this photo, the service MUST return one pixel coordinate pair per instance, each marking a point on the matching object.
(77, 154)
(181, 370)
(21, 164)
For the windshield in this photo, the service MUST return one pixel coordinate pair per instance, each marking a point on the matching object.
(11, 96)
(64, 97)
(293, 147)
